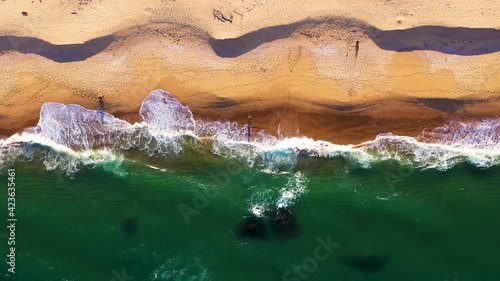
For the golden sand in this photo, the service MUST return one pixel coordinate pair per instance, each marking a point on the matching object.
(295, 65)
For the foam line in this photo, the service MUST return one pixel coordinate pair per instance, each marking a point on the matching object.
(168, 129)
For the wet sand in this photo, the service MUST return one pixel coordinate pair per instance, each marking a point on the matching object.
(304, 73)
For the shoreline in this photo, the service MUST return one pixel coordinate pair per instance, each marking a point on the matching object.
(351, 125)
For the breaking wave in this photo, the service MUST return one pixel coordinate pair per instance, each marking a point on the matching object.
(68, 137)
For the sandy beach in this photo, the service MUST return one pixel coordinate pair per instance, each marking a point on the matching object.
(417, 64)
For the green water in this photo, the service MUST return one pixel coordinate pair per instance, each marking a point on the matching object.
(430, 225)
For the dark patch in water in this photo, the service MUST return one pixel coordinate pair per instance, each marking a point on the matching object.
(284, 223)
(130, 225)
(365, 263)
(252, 227)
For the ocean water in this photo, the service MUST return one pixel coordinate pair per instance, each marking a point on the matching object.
(174, 198)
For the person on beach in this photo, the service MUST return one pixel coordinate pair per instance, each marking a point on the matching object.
(101, 106)
(249, 128)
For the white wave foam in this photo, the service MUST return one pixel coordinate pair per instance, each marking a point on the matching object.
(257, 209)
(164, 114)
(169, 128)
(295, 187)
(77, 127)
(266, 198)
(55, 157)
(474, 134)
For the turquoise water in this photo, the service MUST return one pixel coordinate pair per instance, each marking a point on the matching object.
(173, 198)
(124, 217)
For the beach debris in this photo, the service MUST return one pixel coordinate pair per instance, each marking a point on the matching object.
(283, 223)
(365, 263)
(221, 17)
(130, 225)
(25, 14)
(73, 13)
(252, 227)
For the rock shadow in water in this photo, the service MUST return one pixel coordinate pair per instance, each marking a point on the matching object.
(130, 225)
(365, 263)
(252, 227)
(284, 223)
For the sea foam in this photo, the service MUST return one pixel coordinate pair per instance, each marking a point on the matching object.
(169, 128)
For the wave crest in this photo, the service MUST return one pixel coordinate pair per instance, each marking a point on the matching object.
(163, 113)
(168, 129)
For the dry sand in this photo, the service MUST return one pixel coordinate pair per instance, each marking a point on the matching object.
(418, 63)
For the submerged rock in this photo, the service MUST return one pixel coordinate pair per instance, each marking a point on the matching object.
(284, 223)
(130, 225)
(252, 227)
(365, 263)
